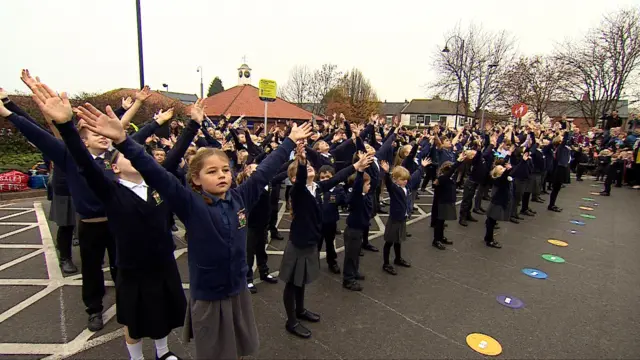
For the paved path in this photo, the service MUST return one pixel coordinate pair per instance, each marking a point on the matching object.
(587, 308)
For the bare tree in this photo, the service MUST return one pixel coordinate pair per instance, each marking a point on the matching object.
(535, 81)
(475, 66)
(604, 63)
(322, 81)
(298, 88)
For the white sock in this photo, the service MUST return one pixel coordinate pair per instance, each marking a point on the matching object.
(162, 348)
(135, 351)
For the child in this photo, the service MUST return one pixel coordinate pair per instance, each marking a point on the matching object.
(444, 203)
(330, 201)
(611, 171)
(300, 262)
(257, 223)
(501, 199)
(149, 296)
(360, 209)
(220, 316)
(399, 184)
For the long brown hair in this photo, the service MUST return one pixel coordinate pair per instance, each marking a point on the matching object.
(197, 163)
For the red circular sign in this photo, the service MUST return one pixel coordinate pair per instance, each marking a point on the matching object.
(519, 110)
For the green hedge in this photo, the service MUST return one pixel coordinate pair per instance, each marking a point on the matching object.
(21, 162)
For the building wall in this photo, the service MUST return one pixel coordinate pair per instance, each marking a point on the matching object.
(422, 120)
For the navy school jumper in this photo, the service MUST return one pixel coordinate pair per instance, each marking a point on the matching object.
(217, 232)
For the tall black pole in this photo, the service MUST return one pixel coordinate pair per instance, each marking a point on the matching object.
(140, 58)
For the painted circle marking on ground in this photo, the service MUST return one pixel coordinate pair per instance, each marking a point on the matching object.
(595, 185)
(587, 216)
(535, 273)
(557, 242)
(585, 208)
(510, 301)
(588, 199)
(484, 344)
(577, 222)
(553, 258)
(572, 231)
(595, 204)
(594, 193)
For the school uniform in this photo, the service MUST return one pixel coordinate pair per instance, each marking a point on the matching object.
(520, 174)
(257, 223)
(300, 261)
(330, 216)
(499, 207)
(360, 210)
(400, 207)
(539, 168)
(444, 205)
(478, 174)
(220, 316)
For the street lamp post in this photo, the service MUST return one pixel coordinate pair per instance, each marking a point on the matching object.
(461, 60)
(199, 69)
(166, 86)
(140, 57)
(490, 68)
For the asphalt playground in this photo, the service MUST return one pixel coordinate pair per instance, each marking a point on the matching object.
(586, 308)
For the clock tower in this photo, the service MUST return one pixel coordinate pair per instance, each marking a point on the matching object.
(244, 73)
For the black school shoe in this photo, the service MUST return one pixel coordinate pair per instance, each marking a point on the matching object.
(166, 356)
(298, 330)
(334, 268)
(438, 245)
(554, 209)
(514, 220)
(388, 268)
(538, 200)
(269, 279)
(402, 262)
(527, 213)
(370, 248)
(252, 288)
(463, 222)
(95, 322)
(308, 316)
(360, 277)
(276, 236)
(494, 244)
(68, 267)
(446, 241)
(352, 285)
(603, 193)
(471, 218)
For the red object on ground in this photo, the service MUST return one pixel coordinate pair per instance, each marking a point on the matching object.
(13, 181)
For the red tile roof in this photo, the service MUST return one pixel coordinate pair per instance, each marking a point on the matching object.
(243, 99)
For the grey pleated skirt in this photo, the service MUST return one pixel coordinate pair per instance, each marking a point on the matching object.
(395, 231)
(535, 181)
(223, 329)
(523, 186)
(498, 212)
(299, 266)
(447, 212)
(62, 211)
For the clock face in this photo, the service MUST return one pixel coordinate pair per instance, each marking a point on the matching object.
(247, 74)
(240, 73)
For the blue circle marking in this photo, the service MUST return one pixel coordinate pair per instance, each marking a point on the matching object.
(577, 222)
(535, 273)
(573, 232)
(510, 301)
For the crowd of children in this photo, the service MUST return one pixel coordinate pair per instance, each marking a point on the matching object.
(222, 180)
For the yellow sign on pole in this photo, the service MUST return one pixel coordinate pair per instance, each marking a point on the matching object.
(268, 90)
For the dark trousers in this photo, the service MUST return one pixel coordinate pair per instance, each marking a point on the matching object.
(517, 197)
(256, 244)
(95, 238)
(376, 199)
(490, 224)
(608, 181)
(525, 201)
(468, 192)
(555, 189)
(328, 236)
(482, 190)
(535, 191)
(64, 239)
(438, 230)
(429, 175)
(293, 298)
(352, 244)
(365, 237)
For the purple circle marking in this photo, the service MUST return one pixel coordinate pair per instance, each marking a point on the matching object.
(510, 301)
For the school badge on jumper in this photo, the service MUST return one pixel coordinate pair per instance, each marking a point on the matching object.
(107, 165)
(332, 199)
(332, 160)
(242, 219)
(156, 197)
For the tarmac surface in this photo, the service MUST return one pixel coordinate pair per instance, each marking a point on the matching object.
(585, 309)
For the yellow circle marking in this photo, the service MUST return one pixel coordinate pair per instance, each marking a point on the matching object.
(594, 193)
(484, 344)
(557, 242)
(586, 208)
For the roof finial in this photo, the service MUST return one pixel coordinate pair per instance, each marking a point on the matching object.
(244, 59)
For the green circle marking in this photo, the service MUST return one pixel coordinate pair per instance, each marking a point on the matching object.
(553, 258)
(588, 199)
(587, 216)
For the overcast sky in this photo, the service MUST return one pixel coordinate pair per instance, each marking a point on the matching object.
(91, 45)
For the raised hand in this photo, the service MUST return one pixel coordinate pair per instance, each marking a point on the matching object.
(163, 117)
(364, 162)
(525, 156)
(197, 111)
(301, 152)
(107, 125)
(508, 166)
(461, 157)
(143, 95)
(426, 162)
(384, 165)
(28, 80)
(396, 121)
(300, 132)
(127, 102)
(342, 117)
(3, 94)
(54, 107)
